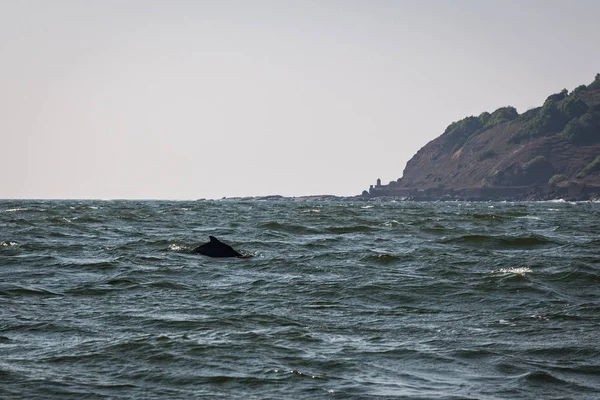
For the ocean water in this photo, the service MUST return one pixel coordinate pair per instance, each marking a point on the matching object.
(341, 300)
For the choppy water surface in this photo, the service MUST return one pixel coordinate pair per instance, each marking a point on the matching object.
(102, 299)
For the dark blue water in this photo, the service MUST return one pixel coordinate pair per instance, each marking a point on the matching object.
(341, 300)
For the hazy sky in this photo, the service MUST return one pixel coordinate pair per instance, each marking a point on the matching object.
(204, 99)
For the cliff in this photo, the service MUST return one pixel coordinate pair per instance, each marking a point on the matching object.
(548, 150)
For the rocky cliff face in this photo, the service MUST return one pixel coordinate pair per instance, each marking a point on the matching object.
(557, 142)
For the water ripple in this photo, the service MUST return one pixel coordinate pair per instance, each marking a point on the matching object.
(102, 299)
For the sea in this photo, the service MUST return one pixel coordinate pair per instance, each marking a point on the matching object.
(339, 300)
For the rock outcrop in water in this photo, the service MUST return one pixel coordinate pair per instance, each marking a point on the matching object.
(548, 152)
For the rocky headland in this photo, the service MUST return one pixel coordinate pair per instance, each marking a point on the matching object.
(549, 152)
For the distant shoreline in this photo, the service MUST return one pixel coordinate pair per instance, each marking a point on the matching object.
(523, 195)
(422, 197)
(569, 191)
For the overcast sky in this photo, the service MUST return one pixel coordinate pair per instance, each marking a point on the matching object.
(204, 99)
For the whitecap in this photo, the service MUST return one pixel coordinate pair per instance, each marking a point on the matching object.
(176, 247)
(533, 217)
(8, 244)
(540, 317)
(505, 322)
(513, 270)
(17, 209)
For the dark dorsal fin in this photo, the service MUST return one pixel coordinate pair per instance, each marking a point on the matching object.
(216, 248)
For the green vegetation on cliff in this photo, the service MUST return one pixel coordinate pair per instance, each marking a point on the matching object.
(557, 179)
(570, 115)
(457, 133)
(584, 128)
(591, 167)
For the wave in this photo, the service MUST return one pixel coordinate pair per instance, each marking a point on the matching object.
(489, 217)
(52, 327)
(289, 228)
(83, 207)
(558, 201)
(18, 209)
(350, 229)
(513, 270)
(541, 377)
(178, 247)
(474, 353)
(436, 230)
(91, 263)
(168, 284)
(90, 290)
(579, 275)
(122, 282)
(502, 242)
(382, 258)
(16, 290)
